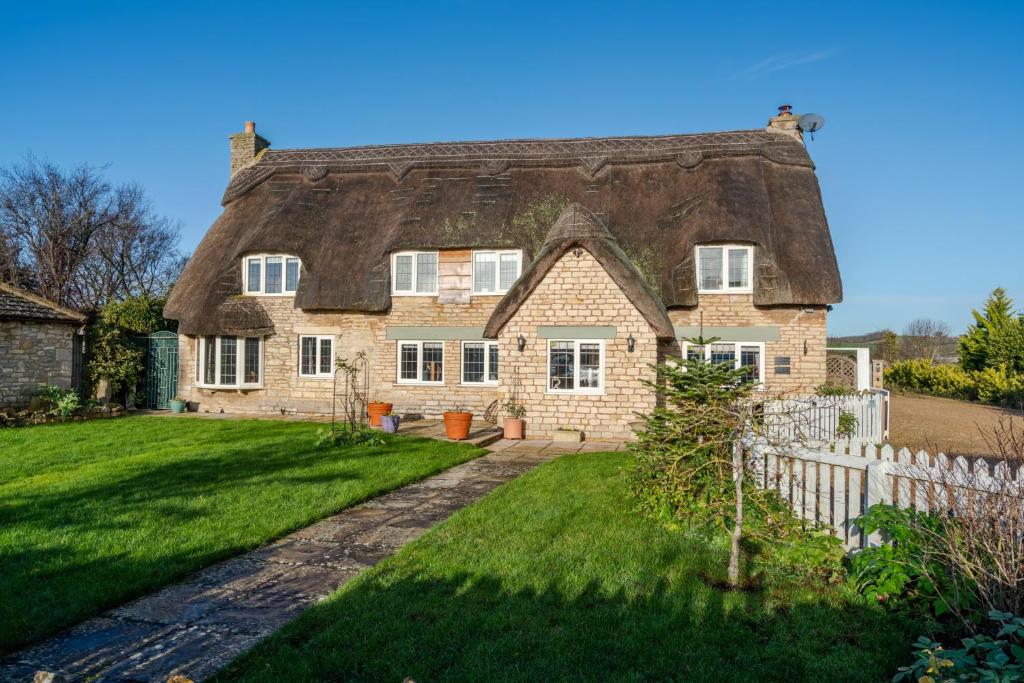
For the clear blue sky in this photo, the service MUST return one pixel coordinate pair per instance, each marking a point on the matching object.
(919, 163)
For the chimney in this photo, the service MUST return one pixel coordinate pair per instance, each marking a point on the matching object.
(246, 147)
(786, 122)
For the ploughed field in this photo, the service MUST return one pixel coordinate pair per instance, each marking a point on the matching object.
(553, 576)
(93, 514)
(946, 425)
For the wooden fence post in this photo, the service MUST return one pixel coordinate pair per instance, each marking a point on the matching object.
(878, 490)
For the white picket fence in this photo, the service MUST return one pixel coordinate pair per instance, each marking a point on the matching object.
(834, 485)
(816, 419)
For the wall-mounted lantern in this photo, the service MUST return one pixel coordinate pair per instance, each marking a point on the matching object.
(577, 252)
(630, 343)
(522, 342)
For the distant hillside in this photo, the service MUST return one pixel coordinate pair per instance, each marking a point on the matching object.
(873, 341)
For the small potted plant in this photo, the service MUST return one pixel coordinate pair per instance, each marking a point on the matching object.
(377, 409)
(177, 404)
(389, 422)
(456, 424)
(514, 423)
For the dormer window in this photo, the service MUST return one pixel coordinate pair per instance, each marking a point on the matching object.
(414, 273)
(270, 274)
(725, 268)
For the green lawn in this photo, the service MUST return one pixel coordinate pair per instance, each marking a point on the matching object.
(553, 577)
(95, 513)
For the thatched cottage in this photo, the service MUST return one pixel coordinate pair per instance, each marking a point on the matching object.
(557, 269)
(40, 343)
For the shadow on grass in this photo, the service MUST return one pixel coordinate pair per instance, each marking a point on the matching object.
(74, 541)
(467, 627)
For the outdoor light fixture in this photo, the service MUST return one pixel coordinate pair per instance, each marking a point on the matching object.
(522, 342)
(577, 252)
(630, 343)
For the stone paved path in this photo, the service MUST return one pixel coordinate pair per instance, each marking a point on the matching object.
(197, 626)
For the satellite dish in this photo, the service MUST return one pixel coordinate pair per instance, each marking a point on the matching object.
(809, 123)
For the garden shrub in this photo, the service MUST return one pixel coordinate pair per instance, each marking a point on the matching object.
(64, 402)
(990, 385)
(982, 657)
(903, 570)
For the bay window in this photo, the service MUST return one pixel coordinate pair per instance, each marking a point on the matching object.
(480, 362)
(270, 274)
(316, 356)
(725, 268)
(494, 272)
(414, 273)
(576, 366)
(229, 362)
(746, 355)
(420, 362)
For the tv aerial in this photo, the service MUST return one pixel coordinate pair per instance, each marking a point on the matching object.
(810, 123)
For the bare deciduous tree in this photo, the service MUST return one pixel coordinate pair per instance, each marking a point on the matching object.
(79, 241)
(924, 337)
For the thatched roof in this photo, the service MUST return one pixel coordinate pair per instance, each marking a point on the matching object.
(577, 226)
(17, 304)
(342, 211)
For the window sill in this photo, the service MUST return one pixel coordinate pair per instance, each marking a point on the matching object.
(261, 295)
(419, 384)
(235, 390)
(419, 294)
(745, 290)
(317, 377)
(575, 392)
(482, 385)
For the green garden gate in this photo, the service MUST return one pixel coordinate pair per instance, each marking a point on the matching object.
(161, 369)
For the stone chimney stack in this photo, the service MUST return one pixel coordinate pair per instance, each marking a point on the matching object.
(246, 147)
(786, 122)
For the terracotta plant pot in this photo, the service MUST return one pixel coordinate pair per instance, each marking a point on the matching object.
(514, 427)
(456, 425)
(375, 409)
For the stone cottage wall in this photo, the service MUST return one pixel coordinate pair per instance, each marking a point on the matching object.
(578, 292)
(797, 324)
(33, 353)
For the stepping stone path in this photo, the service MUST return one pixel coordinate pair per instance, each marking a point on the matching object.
(196, 627)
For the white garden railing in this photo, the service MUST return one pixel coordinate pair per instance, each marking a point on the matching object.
(833, 486)
(816, 419)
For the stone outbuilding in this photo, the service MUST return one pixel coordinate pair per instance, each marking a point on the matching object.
(40, 343)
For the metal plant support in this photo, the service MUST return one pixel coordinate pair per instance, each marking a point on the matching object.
(355, 377)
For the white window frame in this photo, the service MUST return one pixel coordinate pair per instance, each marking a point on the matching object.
(487, 382)
(738, 345)
(589, 391)
(317, 374)
(419, 362)
(412, 292)
(262, 258)
(240, 363)
(497, 253)
(726, 289)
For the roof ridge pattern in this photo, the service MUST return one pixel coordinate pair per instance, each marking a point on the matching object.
(497, 156)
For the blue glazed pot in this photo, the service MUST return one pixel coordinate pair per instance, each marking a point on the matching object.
(389, 423)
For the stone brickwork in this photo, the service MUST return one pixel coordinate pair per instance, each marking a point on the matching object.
(33, 353)
(576, 292)
(797, 325)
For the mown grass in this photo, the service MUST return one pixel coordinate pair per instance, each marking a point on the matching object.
(553, 577)
(95, 513)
